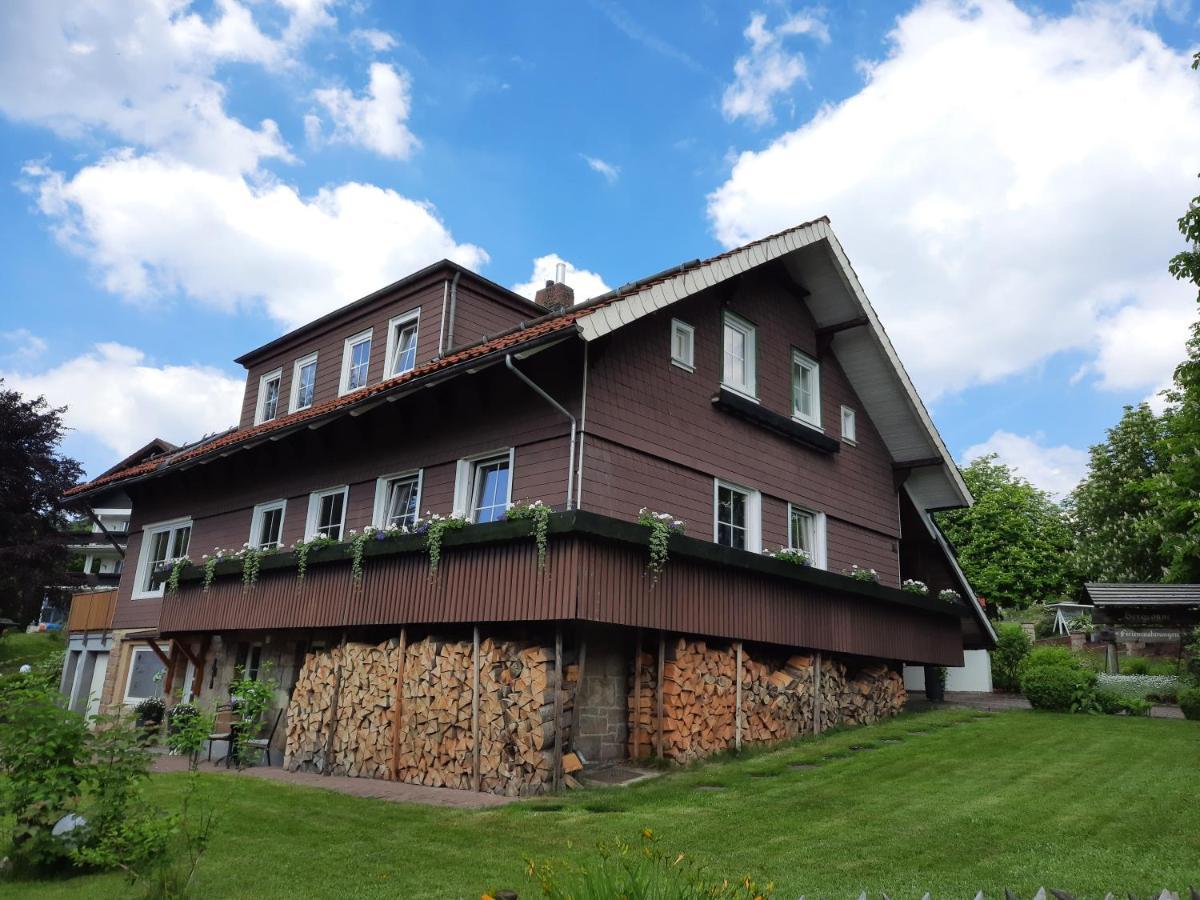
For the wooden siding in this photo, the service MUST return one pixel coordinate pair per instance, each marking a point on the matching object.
(477, 313)
(586, 579)
(92, 611)
(654, 438)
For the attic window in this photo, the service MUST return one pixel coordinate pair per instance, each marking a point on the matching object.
(683, 345)
(806, 389)
(739, 357)
(849, 426)
(356, 359)
(268, 397)
(402, 343)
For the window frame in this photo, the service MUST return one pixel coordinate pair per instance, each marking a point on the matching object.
(244, 661)
(347, 353)
(314, 510)
(850, 435)
(396, 325)
(820, 559)
(126, 699)
(464, 480)
(753, 514)
(257, 516)
(749, 390)
(143, 563)
(814, 366)
(678, 326)
(381, 494)
(297, 366)
(260, 405)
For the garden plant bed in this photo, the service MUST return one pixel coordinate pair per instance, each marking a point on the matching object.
(1002, 787)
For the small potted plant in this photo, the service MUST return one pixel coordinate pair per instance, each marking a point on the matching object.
(149, 713)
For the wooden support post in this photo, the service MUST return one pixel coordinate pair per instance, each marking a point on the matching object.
(169, 677)
(398, 706)
(158, 652)
(198, 678)
(326, 764)
(658, 696)
(737, 703)
(637, 698)
(577, 709)
(475, 711)
(817, 694)
(558, 692)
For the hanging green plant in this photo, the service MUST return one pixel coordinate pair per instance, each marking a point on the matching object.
(358, 543)
(434, 527)
(303, 548)
(210, 566)
(662, 526)
(539, 513)
(173, 577)
(251, 562)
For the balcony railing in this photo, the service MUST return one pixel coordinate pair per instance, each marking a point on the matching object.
(92, 611)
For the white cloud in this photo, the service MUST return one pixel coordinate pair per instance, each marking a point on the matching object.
(769, 69)
(610, 172)
(155, 226)
(143, 72)
(1054, 469)
(115, 395)
(585, 284)
(22, 344)
(379, 41)
(1005, 183)
(376, 121)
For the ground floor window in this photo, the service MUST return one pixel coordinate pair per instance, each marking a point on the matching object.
(161, 546)
(145, 675)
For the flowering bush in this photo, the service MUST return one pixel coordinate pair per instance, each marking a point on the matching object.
(949, 596)
(662, 526)
(860, 574)
(794, 555)
(915, 587)
(539, 512)
(1140, 687)
(434, 527)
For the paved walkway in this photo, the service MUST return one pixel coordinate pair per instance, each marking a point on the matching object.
(356, 787)
(1001, 702)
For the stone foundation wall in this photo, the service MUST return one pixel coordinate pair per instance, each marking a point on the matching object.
(603, 723)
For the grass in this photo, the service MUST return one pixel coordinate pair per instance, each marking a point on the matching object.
(18, 648)
(1017, 800)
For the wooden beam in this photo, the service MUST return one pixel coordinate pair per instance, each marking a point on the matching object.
(198, 678)
(737, 703)
(558, 692)
(398, 706)
(927, 462)
(817, 694)
(186, 651)
(637, 698)
(658, 695)
(158, 652)
(169, 678)
(577, 709)
(475, 711)
(826, 331)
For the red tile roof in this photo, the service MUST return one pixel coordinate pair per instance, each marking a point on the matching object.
(520, 335)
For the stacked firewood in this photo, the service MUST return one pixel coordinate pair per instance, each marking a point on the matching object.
(354, 687)
(776, 700)
(833, 690)
(699, 694)
(875, 692)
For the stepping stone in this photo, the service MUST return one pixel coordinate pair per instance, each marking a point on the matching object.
(889, 740)
(918, 732)
(710, 787)
(860, 747)
(803, 766)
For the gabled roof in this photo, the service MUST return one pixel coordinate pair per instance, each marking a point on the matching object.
(155, 447)
(1143, 594)
(813, 258)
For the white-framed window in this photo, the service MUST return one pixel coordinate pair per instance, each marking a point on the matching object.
(806, 389)
(483, 487)
(356, 361)
(849, 426)
(806, 531)
(268, 397)
(683, 345)
(737, 516)
(402, 344)
(304, 383)
(397, 500)
(142, 683)
(162, 544)
(738, 360)
(326, 513)
(266, 525)
(250, 661)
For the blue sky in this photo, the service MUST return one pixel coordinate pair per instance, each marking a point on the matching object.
(182, 182)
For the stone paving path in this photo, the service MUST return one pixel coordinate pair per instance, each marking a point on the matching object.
(356, 787)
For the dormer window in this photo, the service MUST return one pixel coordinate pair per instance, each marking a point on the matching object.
(402, 344)
(806, 389)
(268, 397)
(356, 359)
(739, 357)
(304, 383)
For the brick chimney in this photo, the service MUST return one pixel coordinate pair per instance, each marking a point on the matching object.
(556, 296)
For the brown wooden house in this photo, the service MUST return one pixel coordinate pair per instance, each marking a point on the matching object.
(755, 396)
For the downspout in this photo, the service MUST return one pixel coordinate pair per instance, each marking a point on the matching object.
(508, 361)
(442, 322)
(582, 430)
(453, 305)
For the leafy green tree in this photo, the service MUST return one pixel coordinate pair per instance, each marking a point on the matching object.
(1178, 488)
(33, 478)
(1014, 543)
(1114, 512)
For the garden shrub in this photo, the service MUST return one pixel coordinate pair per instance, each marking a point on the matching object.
(1012, 646)
(1041, 657)
(1141, 687)
(1055, 687)
(1189, 702)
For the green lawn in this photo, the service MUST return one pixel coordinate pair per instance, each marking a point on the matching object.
(1014, 800)
(18, 648)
